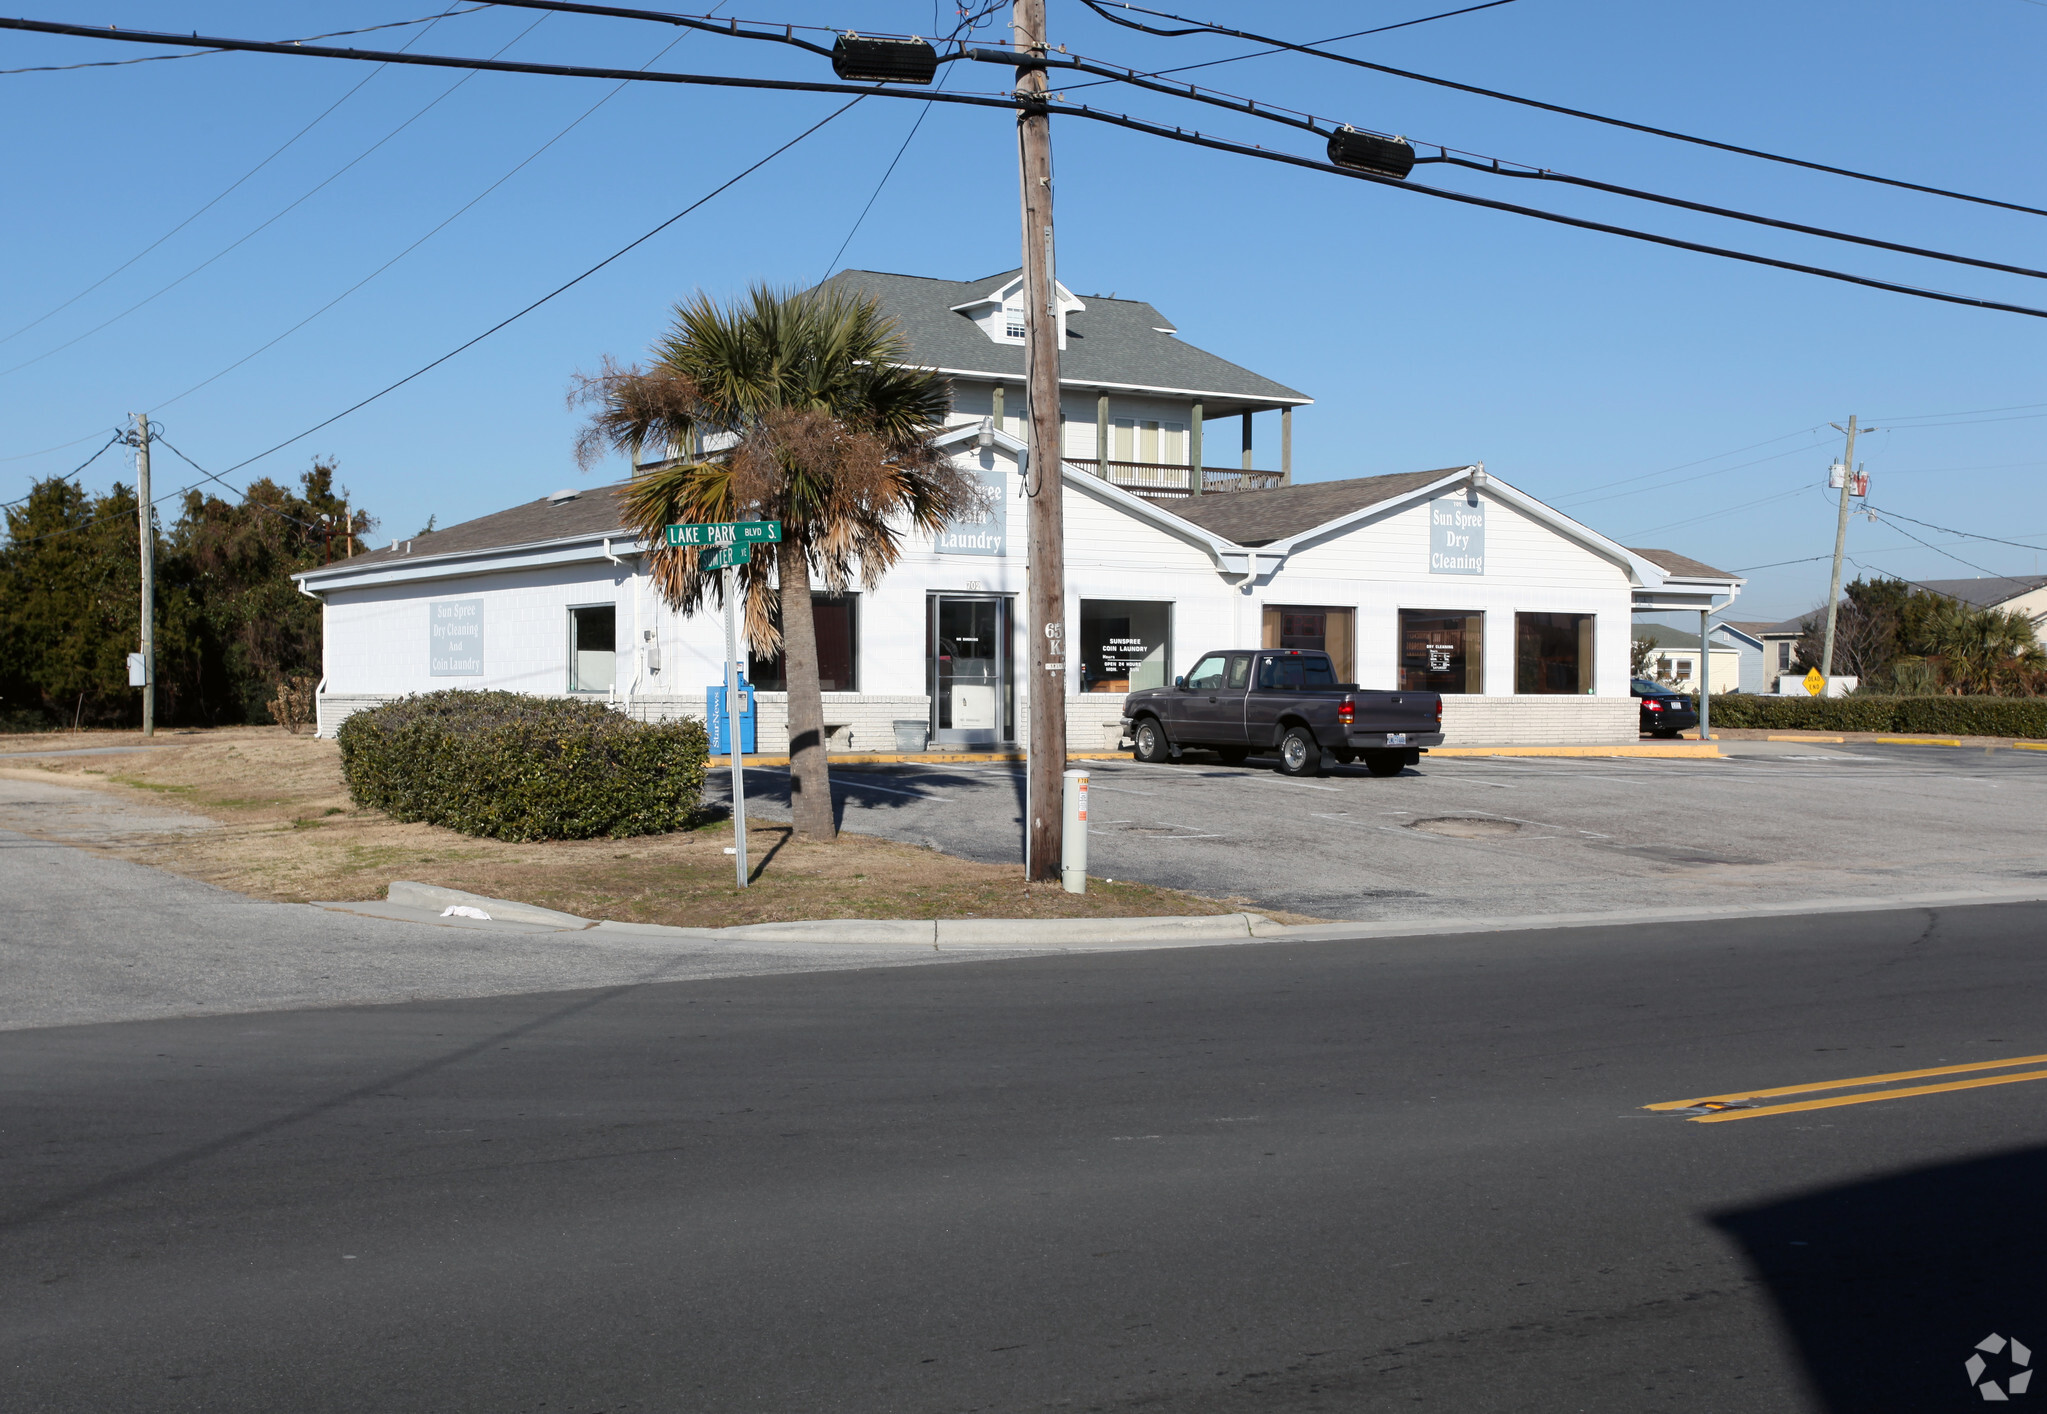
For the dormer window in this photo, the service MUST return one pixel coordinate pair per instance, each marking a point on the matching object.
(1001, 313)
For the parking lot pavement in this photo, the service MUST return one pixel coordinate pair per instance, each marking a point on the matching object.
(1774, 824)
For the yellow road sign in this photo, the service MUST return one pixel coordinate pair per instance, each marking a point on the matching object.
(1814, 683)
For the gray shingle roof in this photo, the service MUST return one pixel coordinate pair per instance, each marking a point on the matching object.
(1684, 567)
(1111, 341)
(1256, 518)
(594, 511)
(1985, 591)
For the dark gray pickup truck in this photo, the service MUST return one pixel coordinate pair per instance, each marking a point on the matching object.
(1287, 702)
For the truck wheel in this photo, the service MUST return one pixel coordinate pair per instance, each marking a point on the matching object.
(1232, 755)
(1150, 739)
(1385, 763)
(1299, 753)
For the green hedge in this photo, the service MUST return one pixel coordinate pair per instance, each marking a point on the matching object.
(513, 767)
(1952, 716)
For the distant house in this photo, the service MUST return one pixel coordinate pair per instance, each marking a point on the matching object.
(2024, 594)
(1676, 658)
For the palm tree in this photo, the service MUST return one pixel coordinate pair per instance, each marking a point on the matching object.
(790, 406)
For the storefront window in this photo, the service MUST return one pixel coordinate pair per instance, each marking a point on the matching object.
(1314, 628)
(834, 618)
(1553, 653)
(1125, 644)
(1441, 651)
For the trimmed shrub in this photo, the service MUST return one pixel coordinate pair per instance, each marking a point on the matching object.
(1951, 716)
(513, 767)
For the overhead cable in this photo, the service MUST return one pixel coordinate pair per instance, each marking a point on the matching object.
(154, 58)
(223, 194)
(279, 215)
(1950, 530)
(1009, 102)
(1202, 27)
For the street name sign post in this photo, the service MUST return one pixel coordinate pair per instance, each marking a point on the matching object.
(731, 545)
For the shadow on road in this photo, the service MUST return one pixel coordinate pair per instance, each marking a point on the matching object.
(1888, 1287)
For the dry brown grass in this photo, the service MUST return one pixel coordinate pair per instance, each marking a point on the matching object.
(288, 831)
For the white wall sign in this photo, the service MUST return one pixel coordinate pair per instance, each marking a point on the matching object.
(980, 532)
(455, 638)
(1456, 535)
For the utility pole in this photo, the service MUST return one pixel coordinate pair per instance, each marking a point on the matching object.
(1840, 544)
(148, 534)
(1043, 483)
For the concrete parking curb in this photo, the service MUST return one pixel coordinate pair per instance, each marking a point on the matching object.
(1691, 749)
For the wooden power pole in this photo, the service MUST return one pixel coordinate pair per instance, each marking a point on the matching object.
(1840, 544)
(1043, 483)
(148, 534)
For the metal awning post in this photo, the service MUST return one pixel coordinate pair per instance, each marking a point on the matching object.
(1705, 676)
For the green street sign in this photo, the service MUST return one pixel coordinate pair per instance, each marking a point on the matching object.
(722, 557)
(725, 532)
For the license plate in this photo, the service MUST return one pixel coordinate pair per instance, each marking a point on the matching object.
(1396, 738)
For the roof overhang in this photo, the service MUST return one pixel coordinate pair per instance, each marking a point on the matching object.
(1223, 401)
(594, 547)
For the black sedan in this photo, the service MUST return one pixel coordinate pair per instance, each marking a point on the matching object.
(1664, 712)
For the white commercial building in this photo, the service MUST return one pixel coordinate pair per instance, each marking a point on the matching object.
(1450, 580)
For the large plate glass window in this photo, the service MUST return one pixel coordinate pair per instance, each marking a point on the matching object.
(836, 617)
(1553, 653)
(1125, 644)
(1442, 651)
(593, 648)
(1315, 628)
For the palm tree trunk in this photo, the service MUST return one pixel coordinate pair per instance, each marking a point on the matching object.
(810, 783)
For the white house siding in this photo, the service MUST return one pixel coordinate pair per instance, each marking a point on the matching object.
(1381, 566)
(377, 637)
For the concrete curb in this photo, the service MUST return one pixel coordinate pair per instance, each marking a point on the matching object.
(1686, 749)
(407, 894)
(1099, 934)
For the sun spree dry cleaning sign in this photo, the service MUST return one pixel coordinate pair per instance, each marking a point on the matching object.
(455, 638)
(1456, 535)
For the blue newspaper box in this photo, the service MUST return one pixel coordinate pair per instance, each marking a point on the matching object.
(720, 722)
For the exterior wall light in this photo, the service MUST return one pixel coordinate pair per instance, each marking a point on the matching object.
(867, 60)
(985, 438)
(1369, 152)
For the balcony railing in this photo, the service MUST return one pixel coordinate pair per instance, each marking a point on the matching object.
(1165, 483)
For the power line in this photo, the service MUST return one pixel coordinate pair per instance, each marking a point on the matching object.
(237, 182)
(1202, 27)
(265, 224)
(1950, 530)
(559, 289)
(1938, 551)
(452, 217)
(1738, 466)
(1965, 412)
(1008, 103)
(9, 505)
(156, 58)
(1683, 466)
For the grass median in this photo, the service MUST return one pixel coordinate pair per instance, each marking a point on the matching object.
(285, 829)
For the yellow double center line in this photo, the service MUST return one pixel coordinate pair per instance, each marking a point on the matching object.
(1740, 1104)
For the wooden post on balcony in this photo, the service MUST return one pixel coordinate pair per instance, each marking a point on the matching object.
(1102, 436)
(997, 409)
(1286, 446)
(1247, 439)
(1194, 453)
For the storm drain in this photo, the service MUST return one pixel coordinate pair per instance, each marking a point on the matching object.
(1464, 827)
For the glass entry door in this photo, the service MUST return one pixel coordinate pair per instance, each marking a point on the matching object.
(970, 684)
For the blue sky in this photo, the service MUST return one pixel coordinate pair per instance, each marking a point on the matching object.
(1666, 398)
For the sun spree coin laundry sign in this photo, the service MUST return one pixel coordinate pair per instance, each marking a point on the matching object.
(1456, 535)
(455, 638)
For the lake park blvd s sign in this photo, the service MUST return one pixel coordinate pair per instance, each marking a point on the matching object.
(724, 557)
(725, 532)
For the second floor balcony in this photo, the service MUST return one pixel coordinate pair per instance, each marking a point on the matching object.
(1159, 482)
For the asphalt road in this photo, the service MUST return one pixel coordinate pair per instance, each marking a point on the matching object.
(1775, 824)
(1327, 1176)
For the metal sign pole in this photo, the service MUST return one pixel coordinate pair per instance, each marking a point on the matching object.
(732, 727)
